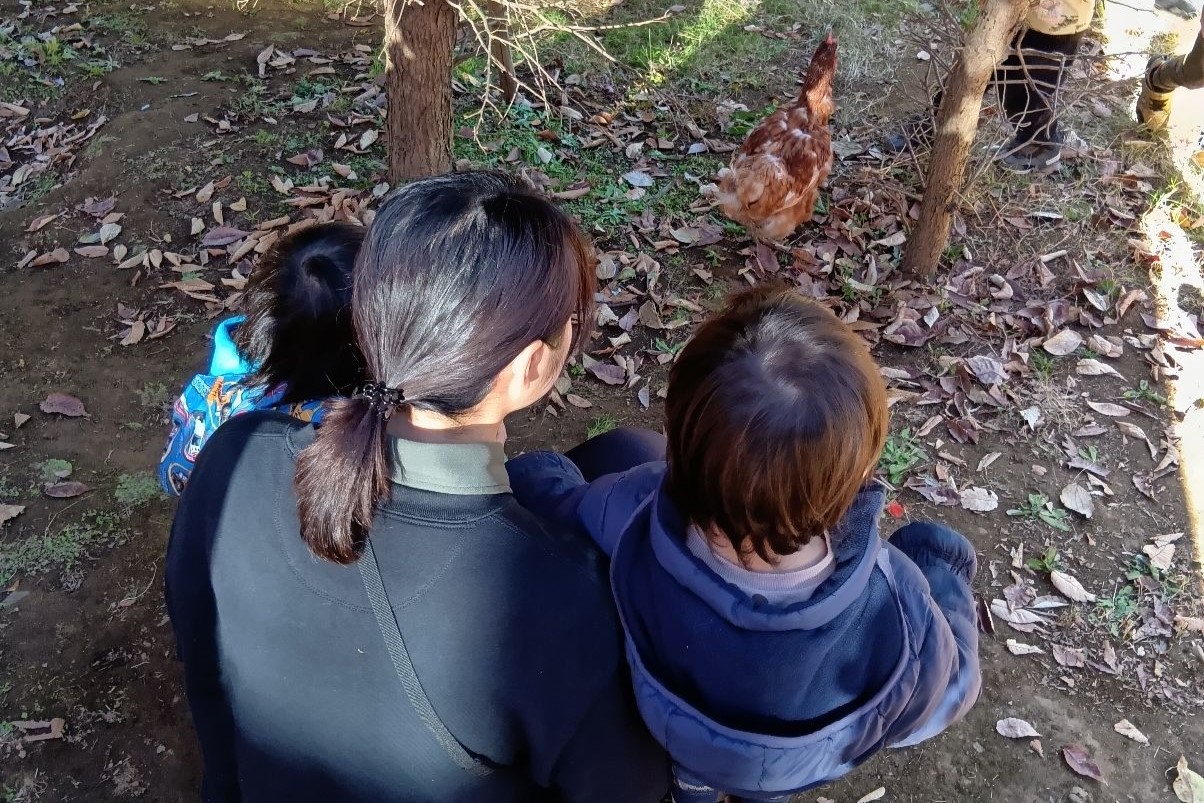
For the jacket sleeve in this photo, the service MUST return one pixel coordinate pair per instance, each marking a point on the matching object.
(950, 674)
(551, 486)
(193, 612)
(611, 755)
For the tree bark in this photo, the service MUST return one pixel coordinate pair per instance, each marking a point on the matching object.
(956, 127)
(499, 48)
(419, 45)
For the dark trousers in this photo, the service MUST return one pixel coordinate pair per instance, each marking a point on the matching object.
(1181, 71)
(1028, 82)
(616, 451)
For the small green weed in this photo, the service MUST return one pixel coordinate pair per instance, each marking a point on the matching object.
(1144, 393)
(1046, 562)
(601, 424)
(901, 454)
(137, 490)
(1039, 507)
(1041, 363)
(155, 396)
(1119, 613)
(54, 469)
(8, 490)
(153, 80)
(576, 370)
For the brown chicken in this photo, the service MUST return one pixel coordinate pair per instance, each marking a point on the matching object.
(774, 179)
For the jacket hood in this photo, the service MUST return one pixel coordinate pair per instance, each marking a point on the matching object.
(737, 761)
(855, 542)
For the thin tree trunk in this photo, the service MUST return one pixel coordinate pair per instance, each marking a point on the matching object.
(956, 127)
(419, 44)
(499, 48)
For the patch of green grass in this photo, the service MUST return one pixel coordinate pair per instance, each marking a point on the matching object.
(8, 489)
(64, 549)
(216, 75)
(155, 396)
(250, 183)
(266, 138)
(1041, 363)
(902, 453)
(576, 370)
(1039, 507)
(1145, 393)
(600, 424)
(137, 490)
(153, 80)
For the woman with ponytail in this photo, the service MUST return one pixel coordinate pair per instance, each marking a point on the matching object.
(363, 611)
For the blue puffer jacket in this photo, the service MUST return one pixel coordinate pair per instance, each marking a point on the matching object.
(757, 699)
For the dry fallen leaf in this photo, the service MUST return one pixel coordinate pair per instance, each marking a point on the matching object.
(1190, 624)
(1069, 587)
(1095, 368)
(1069, 657)
(1019, 648)
(204, 193)
(1127, 728)
(1109, 409)
(93, 251)
(979, 500)
(877, 794)
(577, 401)
(10, 512)
(41, 222)
(1078, 759)
(109, 232)
(1077, 498)
(1188, 785)
(1161, 555)
(1063, 343)
(224, 235)
(62, 404)
(51, 257)
(638, 178)
(1014, 728)
(65, 490)
(19, 420)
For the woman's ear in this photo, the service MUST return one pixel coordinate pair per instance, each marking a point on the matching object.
(535, 370)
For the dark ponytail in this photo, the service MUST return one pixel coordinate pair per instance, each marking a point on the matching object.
(457, 275)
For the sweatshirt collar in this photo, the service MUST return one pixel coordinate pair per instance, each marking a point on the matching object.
(855, 545)
(466, 469)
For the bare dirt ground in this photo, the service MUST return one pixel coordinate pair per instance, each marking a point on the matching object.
(1036, 409)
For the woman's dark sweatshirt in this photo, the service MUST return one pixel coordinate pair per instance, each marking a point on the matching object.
(511, 629)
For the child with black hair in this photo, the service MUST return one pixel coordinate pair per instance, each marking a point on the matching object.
(775, 639)
(294, 348)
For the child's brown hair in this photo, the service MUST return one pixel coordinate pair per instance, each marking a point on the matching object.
(775, 415)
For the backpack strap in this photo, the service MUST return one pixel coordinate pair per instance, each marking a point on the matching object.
(386, 620)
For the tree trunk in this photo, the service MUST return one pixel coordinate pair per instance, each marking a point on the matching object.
(499, 48)
(956, 126)
(419, 45)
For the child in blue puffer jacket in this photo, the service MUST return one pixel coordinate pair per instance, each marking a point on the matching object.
(294, 348)
(776, 641)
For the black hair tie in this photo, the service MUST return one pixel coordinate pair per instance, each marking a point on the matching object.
(382, 398)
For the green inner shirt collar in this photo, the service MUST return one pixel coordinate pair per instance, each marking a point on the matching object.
(468, 469)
